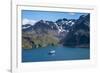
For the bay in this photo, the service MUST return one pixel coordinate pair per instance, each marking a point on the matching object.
(61, 53)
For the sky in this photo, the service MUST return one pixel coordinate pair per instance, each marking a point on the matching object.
(34, 16)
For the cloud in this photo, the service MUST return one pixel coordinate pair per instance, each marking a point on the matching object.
(71, 13)
(28, 21)
(25, 21)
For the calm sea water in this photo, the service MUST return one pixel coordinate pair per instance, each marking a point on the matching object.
(62, 53)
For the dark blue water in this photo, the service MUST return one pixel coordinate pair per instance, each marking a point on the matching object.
(62, 53)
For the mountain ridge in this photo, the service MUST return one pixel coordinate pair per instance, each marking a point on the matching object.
(66, 32)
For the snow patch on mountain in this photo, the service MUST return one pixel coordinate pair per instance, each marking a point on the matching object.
(26, 27)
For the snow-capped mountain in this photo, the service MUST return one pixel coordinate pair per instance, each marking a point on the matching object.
(69, 32)
(61, 25)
